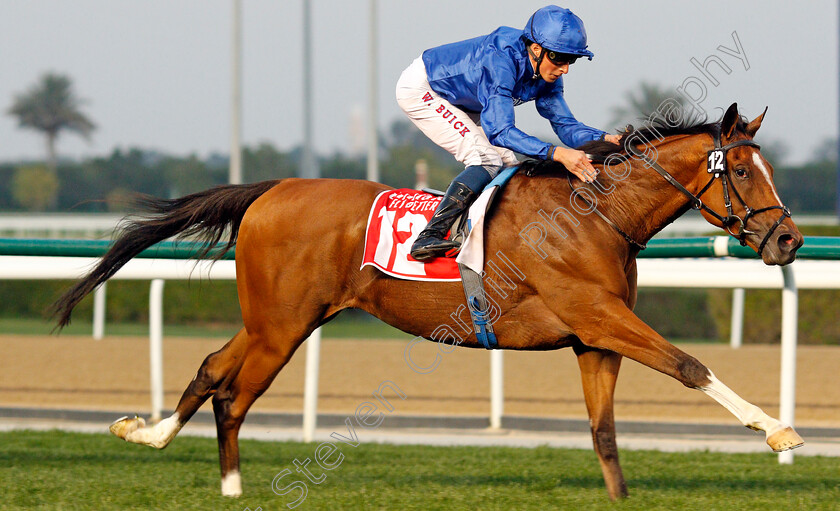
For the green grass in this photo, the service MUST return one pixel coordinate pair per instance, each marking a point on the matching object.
(57, 470)
(340, 328)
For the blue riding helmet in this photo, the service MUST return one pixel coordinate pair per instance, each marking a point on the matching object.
(558, 29)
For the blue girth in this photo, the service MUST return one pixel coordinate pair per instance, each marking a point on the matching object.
(484, 334)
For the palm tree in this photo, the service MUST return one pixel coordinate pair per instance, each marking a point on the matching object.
(51, 107)
(641, 103)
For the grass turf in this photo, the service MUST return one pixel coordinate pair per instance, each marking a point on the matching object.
(59, 470)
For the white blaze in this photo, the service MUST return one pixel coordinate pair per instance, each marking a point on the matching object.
(757, 160)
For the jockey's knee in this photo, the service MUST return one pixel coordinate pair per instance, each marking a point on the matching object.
(476, 177)
(493, 170)
(509, 158)
(482, 154)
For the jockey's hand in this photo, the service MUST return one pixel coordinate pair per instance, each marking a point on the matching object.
(613, 139)
(577, 163)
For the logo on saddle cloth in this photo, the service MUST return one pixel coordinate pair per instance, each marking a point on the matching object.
(395, 221)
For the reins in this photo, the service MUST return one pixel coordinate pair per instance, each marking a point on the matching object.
(630, 240)
(718, 168)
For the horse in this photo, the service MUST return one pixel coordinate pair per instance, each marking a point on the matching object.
(565, 277)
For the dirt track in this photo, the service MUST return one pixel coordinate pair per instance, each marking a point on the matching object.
(77, 372)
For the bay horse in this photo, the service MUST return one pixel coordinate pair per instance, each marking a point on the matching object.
(299, 245)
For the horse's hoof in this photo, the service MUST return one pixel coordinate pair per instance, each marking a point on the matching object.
(125, 425)
(785, 440)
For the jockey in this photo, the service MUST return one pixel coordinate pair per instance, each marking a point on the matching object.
(461, 95)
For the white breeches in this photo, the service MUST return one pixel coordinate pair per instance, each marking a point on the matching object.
(445, 124)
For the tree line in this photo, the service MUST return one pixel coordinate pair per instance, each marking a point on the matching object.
(106, 183)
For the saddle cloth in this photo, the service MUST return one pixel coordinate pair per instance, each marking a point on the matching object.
(398, 216)
(396, 219)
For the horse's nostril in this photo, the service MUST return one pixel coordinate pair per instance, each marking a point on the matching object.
(787, 242)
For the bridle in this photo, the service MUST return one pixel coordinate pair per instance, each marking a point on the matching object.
(717, 167)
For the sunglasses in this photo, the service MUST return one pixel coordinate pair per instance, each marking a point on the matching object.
(560, 59)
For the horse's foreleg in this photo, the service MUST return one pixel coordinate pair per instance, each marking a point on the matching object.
(614, 327)
(215, 369)
(599, 370)
(780, 436)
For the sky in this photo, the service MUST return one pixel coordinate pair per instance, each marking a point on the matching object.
(156, 74)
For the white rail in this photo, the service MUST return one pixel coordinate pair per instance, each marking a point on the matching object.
(699, 273)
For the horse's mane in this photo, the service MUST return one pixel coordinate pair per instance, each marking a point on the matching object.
(655, 129)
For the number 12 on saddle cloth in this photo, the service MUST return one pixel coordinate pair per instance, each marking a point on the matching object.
(395, 221)
(398, 216)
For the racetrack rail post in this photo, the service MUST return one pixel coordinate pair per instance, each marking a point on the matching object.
(787, 385)
(736, 336)
(497, 389)
(40, 259)
(310, 385)
(99, 311)
(156, 347)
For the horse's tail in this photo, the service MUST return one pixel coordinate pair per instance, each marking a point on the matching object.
(207, 215)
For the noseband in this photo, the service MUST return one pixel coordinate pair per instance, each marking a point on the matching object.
(718, 169)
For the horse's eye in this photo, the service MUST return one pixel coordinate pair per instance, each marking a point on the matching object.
(741, 172)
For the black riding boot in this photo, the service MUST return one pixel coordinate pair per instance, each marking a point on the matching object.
(431, 242)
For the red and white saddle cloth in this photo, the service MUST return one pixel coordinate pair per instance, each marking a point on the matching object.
(395, 221)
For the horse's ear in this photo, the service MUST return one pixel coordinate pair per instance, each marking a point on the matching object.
(730, 120)
(753, 126)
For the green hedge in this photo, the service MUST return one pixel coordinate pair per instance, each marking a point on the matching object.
(818, 312)
(677, 314)
(128, 301)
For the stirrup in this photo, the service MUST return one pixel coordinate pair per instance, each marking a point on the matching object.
(434, 248)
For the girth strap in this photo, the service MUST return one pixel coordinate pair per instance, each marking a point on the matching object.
(477, 302)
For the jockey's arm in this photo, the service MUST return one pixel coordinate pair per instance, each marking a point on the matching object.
(497, 120)
(569, 130)
(572, 132)
(515, 139)
(495, 93)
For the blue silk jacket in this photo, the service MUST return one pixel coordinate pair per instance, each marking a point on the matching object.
(490, 75)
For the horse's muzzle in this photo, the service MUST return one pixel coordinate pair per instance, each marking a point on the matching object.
(781, 248)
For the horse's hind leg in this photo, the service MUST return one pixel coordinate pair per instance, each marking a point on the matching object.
(216, 368)
(235, 376)
(599, 370)
(259, 364)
